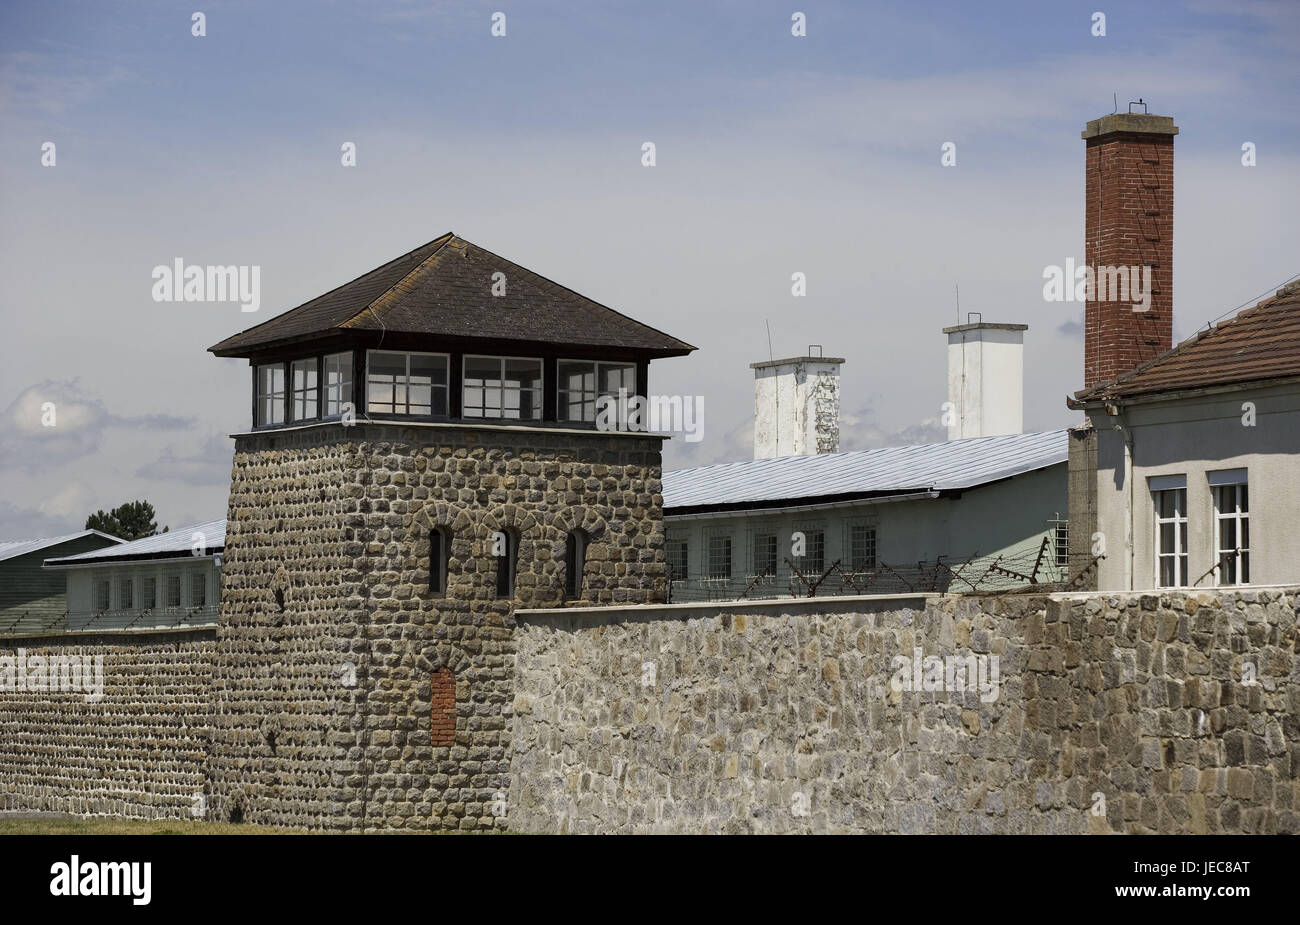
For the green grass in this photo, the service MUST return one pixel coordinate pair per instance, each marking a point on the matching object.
(110, 825)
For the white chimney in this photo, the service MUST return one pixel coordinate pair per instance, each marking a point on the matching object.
(986, 379)
(797, 406)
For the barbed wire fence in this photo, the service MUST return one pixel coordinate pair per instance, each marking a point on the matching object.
(1031, 570)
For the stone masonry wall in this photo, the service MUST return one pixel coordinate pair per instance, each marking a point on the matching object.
(1114, 713)
(330, 639)
(140, 751)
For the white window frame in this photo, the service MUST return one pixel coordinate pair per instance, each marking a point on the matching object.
(1242, 517)
(1180, 555)
(802, 562)
(719, 533)
(849, 529)
(332, 406)
(277, 406)
(103, 581)
(561, 393)
(310, 394)
(167, 576)
(501, 378)
(685, 540)
(445, 385)
(764, 530)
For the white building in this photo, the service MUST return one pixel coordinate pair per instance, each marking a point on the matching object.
(1197, 459)
(169, 579)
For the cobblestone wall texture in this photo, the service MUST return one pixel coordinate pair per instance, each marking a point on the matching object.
(1171, 713)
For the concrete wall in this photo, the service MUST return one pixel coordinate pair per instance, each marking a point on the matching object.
(986, 378)
(796, 407)
(1194, 436)
(141, 750)
(1007, 517)
(1112, 714)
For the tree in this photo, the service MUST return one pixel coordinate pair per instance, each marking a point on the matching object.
(129, 521)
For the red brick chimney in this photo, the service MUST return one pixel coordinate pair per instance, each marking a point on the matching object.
(1129, 222)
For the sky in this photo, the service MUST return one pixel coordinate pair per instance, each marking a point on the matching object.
(775, 154)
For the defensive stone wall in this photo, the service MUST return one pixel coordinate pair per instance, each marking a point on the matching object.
(1164, 713)
(113, 723)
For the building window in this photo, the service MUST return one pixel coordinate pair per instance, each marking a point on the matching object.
(1171, 537)
(506, 549)
(125, 593)
(813, 560)
(582, 382)
(406, 383)
(198, 589)
(862, 547)
(439, 555)
(148, 592)
(1060, 534)
(338, 382)
(1232, 533)
(502, 387)
(304, 375)
(575, 563)
(765, 558)
(270, 394)
(677, 554)
(719, 564)
(103, 590)
(172, 590)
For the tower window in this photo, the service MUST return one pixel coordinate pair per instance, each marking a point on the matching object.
(502, 387)
(270, 394)
(406, 383)
(506, 549)
(575, 563)
(439, 555)
(304, 382)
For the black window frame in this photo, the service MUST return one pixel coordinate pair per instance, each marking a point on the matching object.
(575, 563)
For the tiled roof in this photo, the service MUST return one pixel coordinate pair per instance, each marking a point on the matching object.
(1257, 344)
(15, 548)
(445, 289)
(954, 465)
(176, 542)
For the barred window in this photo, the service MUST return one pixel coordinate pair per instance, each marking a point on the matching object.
(720, 556)
(765, 557)
(103, 588)
(862, 547)
(813, 561)
(148, 592)
(677, 555)
(198, 589)
(125, 593)
(172, 588)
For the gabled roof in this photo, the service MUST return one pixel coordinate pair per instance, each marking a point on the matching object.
(444, 288)
(951, 466)
(1258, 344)
(15, 548)
(172, 544)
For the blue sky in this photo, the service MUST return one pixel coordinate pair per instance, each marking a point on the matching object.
(776, 154)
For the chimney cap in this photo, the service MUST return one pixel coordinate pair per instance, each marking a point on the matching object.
(984, 326)
(793, 360)
(1139, 122)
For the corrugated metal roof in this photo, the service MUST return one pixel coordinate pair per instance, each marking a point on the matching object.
(16, 548)
(176, 541)
(957, 464)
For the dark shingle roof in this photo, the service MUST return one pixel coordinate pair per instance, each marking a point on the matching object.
(445, 289)
(1257, 344)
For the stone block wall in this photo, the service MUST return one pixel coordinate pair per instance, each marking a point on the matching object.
(140, 751)
(330, 640)
(1114, 713)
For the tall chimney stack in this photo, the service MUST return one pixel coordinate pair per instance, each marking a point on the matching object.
(986, 379)
(796, 406)
(1129, 221)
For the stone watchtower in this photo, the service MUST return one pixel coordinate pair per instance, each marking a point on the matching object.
(423, 458)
